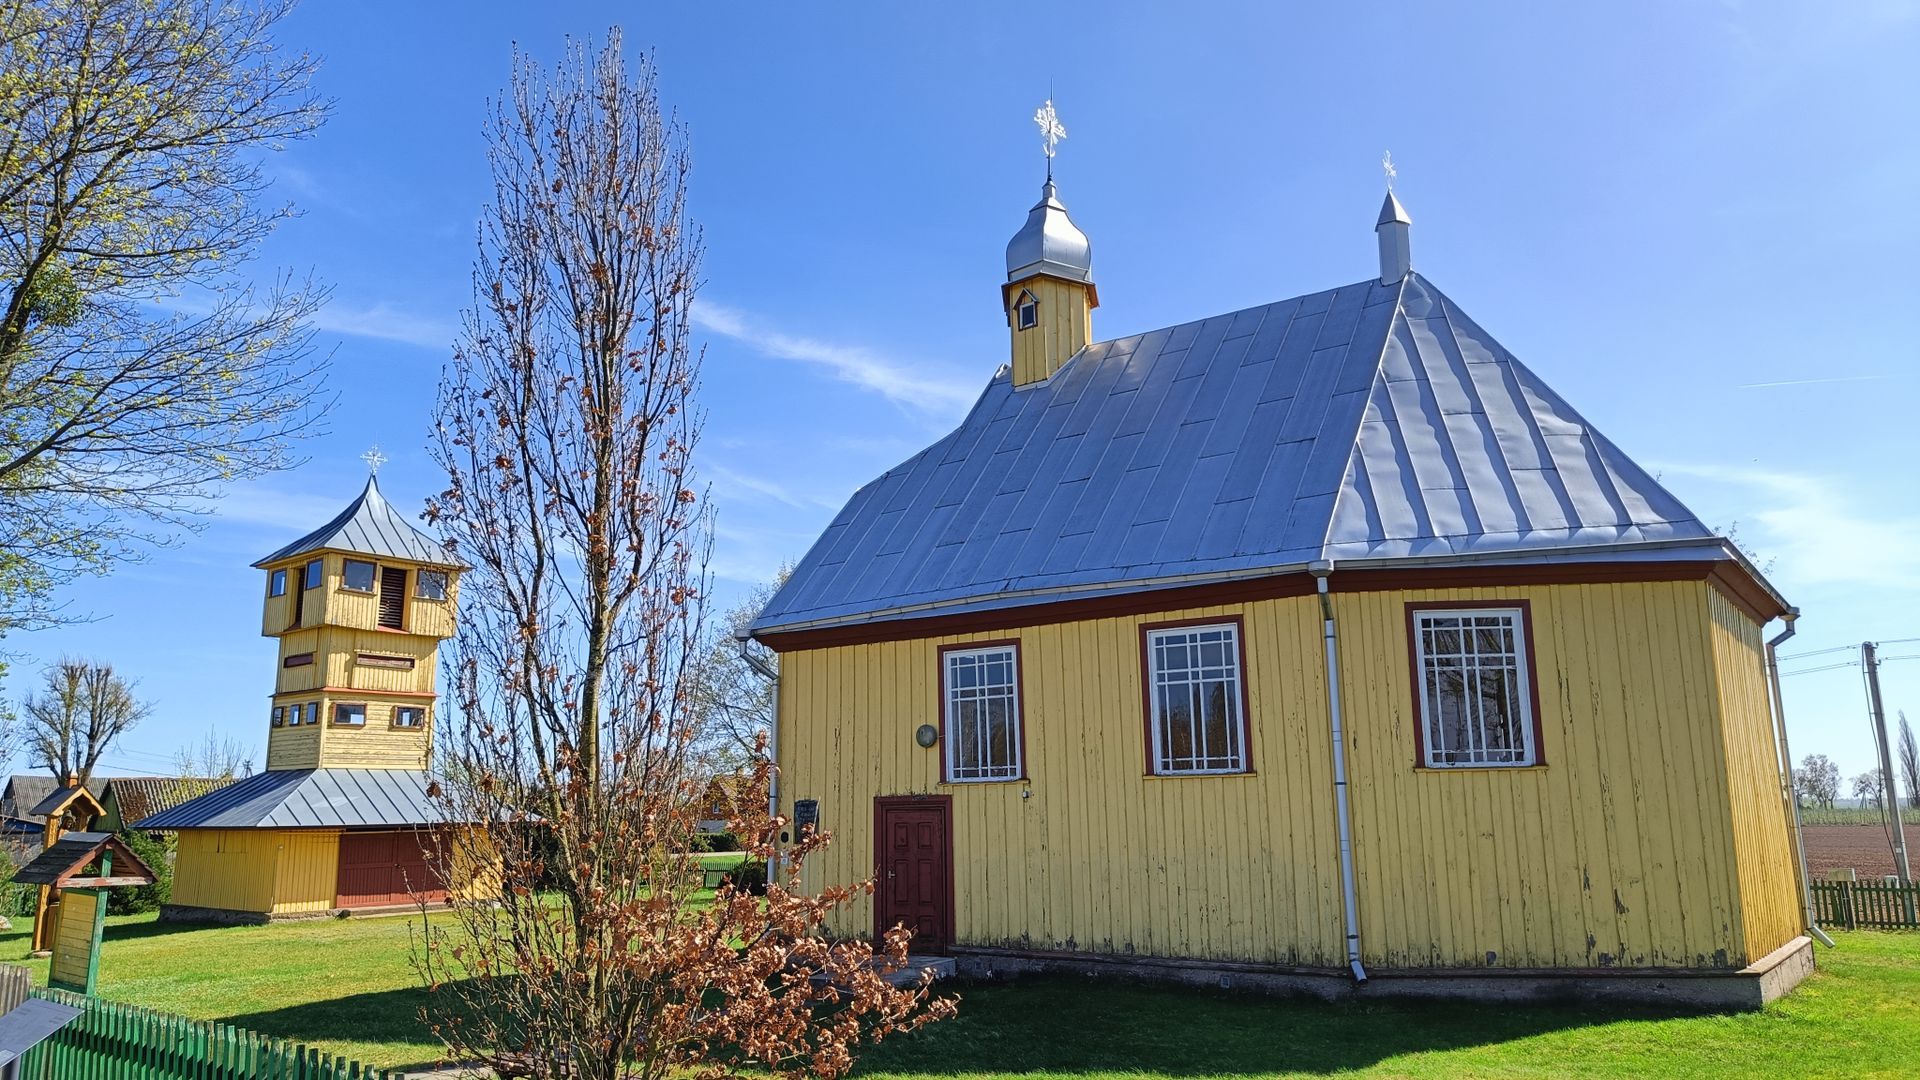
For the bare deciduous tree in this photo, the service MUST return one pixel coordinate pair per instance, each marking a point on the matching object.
(137, 369)
(81, 710)
(1817, 781)
(1867, 788)
(732, 695)
(566, 425)
(214, 757)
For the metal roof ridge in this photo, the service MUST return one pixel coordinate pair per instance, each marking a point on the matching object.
(1360, 418)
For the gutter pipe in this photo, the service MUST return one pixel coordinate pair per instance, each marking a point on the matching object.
(772, 675)
(1321, 569)
(1778, 705)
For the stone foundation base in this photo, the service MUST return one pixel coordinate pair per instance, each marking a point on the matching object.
(185, 913)
(1750, 987)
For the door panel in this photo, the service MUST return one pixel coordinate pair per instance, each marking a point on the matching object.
(388, 867)
(915, 867)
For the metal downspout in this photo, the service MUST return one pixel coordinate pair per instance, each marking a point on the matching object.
(1349, 894)
(1778, 705)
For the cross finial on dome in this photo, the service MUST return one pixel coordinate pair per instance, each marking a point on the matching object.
(374, 459)
(1051, 131)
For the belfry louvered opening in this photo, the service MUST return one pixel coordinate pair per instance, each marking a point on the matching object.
(393, 597)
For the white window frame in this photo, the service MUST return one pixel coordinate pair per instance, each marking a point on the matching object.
(1239, 728)
(951, 697)
(1519, 659)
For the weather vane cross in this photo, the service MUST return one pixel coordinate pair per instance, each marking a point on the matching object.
(374, 459)
(1386, 166)
(1051, 130)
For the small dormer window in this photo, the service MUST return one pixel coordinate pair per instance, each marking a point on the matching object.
(1027, 311)
(313, 574)
(277, 583)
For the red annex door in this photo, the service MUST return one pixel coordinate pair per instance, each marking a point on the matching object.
(388, 867)
(913, 850)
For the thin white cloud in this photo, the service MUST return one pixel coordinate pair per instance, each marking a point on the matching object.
(909, 385)
(1811, 382)
(1817, 531)
(280, 511)
(386, 324)
(729, 480)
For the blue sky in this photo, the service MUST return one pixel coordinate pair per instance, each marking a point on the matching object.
(1695, 220)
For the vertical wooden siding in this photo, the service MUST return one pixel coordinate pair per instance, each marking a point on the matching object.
(1770, 903)
(1618, 851)
(305, 874)
(1065, 322)
(230, 869)
(74, 935)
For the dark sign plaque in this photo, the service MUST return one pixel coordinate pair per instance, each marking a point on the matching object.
(806, 816)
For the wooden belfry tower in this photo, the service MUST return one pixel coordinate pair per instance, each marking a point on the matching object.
(341, 818)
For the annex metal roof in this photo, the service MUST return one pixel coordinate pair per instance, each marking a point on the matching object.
(307, 798)
(369, 526)
(1369, 422)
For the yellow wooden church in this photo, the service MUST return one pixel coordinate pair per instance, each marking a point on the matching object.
(1319, 645)
(340, 819)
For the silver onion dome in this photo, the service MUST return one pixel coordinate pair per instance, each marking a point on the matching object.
(1049, 243)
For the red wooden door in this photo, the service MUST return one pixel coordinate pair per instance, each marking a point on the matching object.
(389, 867)
(914, 852)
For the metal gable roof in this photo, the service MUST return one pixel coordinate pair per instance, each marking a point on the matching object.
(369, 526)
(1366, 422)
(307, 798)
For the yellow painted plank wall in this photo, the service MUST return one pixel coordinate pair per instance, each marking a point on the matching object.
(231, 869)
(1617, 852)
(377, 744)
(1066, 321)
(342, 648)
(1092, 855)
(73, 936)
(1768, 882)
(307, 870)
(293, 748)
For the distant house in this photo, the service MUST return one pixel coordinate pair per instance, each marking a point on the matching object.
(131, 798)
(1319, 644)
(24, 791)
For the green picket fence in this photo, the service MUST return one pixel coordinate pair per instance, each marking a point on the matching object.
(111, 1041)
(1850, 905)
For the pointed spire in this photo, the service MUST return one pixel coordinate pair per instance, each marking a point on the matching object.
(1396, 245)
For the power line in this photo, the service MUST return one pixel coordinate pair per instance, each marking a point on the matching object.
(1828, 667)
(1823, 652)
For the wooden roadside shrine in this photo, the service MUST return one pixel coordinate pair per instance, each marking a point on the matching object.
(70, 803)
(81, 867)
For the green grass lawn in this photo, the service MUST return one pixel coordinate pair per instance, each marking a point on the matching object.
(349, 987)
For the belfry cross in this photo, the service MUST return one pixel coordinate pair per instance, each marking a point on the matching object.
(374, 459)
(1051, 130)
(1386, 166)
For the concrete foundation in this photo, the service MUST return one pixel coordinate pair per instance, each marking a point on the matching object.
(1743, 989)
(186, 913)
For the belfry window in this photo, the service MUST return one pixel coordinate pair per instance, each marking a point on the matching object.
(1027, 311)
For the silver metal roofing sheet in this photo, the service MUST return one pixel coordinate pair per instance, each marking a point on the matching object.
(1366, 422)
(369, 526)
(307, 798)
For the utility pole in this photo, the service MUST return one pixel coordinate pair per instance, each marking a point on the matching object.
(1870, 660)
